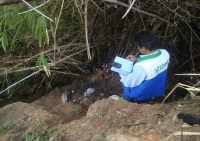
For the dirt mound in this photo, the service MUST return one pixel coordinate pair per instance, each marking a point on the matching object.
(97, 117)
(105, 120)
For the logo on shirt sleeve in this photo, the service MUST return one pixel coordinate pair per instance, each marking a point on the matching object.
(161, 67)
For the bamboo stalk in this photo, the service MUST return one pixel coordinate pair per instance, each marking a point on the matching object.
(86, 29)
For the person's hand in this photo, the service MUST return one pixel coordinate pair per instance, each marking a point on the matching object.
(131, 58)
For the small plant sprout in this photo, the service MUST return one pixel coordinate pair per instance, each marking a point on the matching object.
(100, 113)
(30, 137)
(6, 125)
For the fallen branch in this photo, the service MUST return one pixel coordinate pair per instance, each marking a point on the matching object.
(180, 133)
(38, 11)
(51, 64)
(19, 81)
(188, 74)
(131, 5)
(186, 87)
(7, 71)
(177, 85)
(138, 10)
(129, 124)
(35, 7)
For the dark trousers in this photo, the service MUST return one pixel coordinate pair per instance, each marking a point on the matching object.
(127, 98)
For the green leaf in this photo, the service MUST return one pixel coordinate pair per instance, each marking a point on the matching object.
(4, 41)
(44, 62)
(1, 25)
(40, 30)
(32, 20)
(40, 37)
(19, 31)
(46, 65)
(8, 22)
(37, 27)
(38, 63)
(51, 130)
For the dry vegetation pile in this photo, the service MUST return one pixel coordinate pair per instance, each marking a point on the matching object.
(60, 45)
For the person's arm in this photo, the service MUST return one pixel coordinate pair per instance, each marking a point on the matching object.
(135, 78)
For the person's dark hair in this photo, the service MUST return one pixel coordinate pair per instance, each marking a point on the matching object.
(146, 38)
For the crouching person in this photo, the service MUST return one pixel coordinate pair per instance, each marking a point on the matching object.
(149, 74)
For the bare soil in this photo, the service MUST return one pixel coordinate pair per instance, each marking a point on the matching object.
(97, 117)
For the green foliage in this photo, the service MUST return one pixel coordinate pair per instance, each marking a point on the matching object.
(51, 130)
(100, 113)
(24, 36)
(30, 137)
(42, 61)
(32, 20)
(40, 134)
(4, 41)
(17, 26)
(40, 30)
(5, 126)
(15, 29)
(8, 25)
(19, 31)
(44, 134)
(38, 26)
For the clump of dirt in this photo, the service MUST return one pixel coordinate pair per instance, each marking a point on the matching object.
(98, 117)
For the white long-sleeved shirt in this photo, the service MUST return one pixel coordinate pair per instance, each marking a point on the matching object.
(148, 77)
(135, 78)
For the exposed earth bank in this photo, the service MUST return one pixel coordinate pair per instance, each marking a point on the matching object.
(97, 117)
